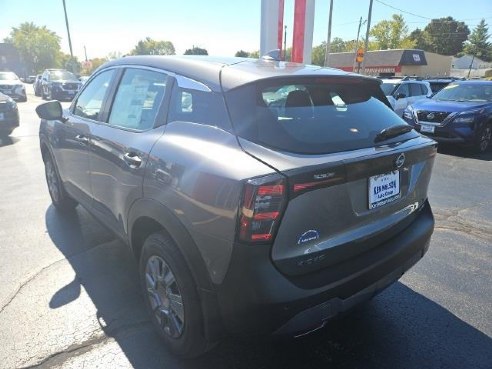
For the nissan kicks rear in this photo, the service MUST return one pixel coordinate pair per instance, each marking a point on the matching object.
(260, 197)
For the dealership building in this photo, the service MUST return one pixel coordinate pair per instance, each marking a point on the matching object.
(400, 62)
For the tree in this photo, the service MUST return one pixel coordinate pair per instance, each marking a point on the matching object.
(196, 51)
(65, 61)
(38, 47)
(255, 54)
(318, 54)
(150, 46)
(446, 36)
(477, 44)
(420, 39)
(112, 55)
(337, 45)
(392, 34)
(92, 65)
(242, 54)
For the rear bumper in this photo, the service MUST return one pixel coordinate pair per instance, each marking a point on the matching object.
(255, 298)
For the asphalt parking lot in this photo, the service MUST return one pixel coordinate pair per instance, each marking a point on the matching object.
(69, 296)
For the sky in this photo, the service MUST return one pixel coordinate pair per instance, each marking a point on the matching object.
(220, 26)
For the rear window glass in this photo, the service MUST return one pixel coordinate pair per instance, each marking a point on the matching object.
(311, 118)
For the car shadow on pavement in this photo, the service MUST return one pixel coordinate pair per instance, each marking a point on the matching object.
(7, 140)
(400, 328)
(464, 152)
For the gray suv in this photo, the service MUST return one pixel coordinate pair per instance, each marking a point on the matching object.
(260, 197)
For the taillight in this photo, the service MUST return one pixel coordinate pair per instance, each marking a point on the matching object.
(262, 205)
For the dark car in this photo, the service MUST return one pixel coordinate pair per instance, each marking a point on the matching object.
(461, 113)
(260, 197)
(438, 83)
(12, 86)
(59, 84)
(9, 115)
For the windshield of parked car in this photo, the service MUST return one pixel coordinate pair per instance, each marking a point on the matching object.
(62, 76)
(465, 92)
(8, 76)
(311, 116)
(389, 88)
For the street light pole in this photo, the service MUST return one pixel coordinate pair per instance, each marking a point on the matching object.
(68, 31)
(328, 41)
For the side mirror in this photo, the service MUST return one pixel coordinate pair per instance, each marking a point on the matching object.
(52, 110)
(401, 95)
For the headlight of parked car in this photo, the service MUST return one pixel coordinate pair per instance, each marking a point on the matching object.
(468, 116)
(408, 112)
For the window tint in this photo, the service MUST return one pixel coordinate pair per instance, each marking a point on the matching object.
(423, 89)
(311, 117)
(138, 99)
(198, 107)
(403, 89)
(90, 101)
(415, 89)
(389, 88)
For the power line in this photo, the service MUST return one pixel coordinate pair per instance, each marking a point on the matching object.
(403, 11)
(424, 17)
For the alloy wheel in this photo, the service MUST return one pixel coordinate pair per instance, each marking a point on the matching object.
(52, 181)
(485, 138)
(164, 296)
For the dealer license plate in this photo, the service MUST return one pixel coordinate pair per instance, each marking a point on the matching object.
(384, 188)
(427, 128)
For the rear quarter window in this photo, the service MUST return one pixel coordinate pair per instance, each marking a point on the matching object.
(203, 107)
(311, 117)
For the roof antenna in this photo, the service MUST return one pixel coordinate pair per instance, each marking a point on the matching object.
(275, 54)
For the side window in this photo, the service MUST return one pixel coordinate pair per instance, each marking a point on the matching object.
(204, 107)
(90, 101)
(415, 89)
(138, 99)
(403, 89)
(423, 89)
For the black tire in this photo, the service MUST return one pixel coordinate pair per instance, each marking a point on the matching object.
(59, 197)
(181, 329)
(484, 139)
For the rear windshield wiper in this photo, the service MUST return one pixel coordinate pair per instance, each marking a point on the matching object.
(393, 131)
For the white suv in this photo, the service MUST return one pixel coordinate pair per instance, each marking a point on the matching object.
(405, 91)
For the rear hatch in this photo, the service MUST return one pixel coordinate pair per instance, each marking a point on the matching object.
(350, 186)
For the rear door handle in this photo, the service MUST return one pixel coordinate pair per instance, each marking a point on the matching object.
(132, 159)
(82, 139)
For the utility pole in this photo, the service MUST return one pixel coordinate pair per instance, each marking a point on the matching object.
(85, 52)
(471, 65)
(69, 39)
(357, 43)
(366, 44)
(328, 41)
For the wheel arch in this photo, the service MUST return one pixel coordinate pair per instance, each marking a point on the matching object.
(147, 216)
